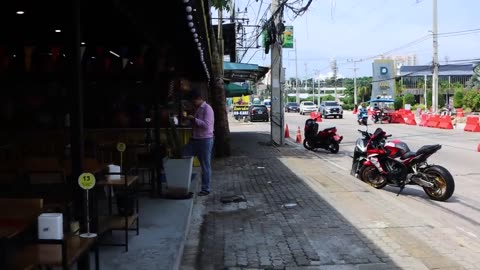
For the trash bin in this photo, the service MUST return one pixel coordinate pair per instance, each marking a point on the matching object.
(125, 203)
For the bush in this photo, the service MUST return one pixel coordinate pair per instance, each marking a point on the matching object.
(409, 99)
(328, 98)
(472, 99)
(467, 109)
(416, 106)
(348, 106)
(398, 103)
(458, 99)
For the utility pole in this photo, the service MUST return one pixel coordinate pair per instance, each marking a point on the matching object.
(296, 73)
(425, 92)
(277, 112)
(318, 98)
(435, 59)
(354, 81)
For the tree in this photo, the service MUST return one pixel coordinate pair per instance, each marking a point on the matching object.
(222, 130)
(458, 98)
(472, 99)
(409, 99)
(328, 98)
(398, 102)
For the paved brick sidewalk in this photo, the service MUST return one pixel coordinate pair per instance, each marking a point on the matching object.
(273, 228)
(285, 224)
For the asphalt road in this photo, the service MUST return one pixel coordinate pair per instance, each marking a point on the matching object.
(458, 154)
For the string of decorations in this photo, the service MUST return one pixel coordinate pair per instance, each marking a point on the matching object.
(196, 39)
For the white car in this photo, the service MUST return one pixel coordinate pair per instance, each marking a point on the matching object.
(307, 106)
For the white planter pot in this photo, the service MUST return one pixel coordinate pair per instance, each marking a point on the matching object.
(178, 173)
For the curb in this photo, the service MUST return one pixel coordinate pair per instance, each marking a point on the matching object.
(177, 263)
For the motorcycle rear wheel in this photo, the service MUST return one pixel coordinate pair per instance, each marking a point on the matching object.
(444, 183)
(371, 176)
(307, 146)
(333, 147)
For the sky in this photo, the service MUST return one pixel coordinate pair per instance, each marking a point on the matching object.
(348, 30)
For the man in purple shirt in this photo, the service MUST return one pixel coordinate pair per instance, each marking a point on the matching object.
(201, 143)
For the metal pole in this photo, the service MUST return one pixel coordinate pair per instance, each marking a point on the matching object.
(296, 73)
(318, 97)
(355, 82)
(435, 59)
(277, 112)
(425, 92)
(220, 39)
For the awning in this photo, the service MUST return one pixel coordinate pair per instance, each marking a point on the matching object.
(241, 72)
(237, 90)
(385, 100)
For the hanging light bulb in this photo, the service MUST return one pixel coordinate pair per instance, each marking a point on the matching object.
(195, 35)
(185, 1)
(190, 24)
(188, 9)
(189, 17)
(196, 40)
(193, 30)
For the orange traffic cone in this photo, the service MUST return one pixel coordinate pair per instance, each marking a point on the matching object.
(319, 117)
(299, 136)
(478, 147)
(287, 132)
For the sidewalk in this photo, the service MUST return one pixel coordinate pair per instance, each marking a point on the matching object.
(283, 224)
(290, 218)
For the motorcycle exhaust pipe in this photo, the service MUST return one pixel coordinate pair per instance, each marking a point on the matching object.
(419, 181)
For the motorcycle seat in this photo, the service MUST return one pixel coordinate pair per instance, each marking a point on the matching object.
(427, 149)
(330, 128)
(408, 155)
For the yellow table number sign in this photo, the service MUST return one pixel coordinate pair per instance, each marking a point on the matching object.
(87, 181)
(121, 147)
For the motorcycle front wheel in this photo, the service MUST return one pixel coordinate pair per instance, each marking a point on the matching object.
(307, 145)
(373, 177)
(444, 183)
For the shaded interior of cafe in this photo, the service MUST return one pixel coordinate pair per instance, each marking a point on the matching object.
(90, 87)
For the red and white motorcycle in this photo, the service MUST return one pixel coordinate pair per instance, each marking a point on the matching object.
(395, 164)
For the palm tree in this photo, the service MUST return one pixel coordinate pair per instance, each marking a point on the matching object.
(364, 90)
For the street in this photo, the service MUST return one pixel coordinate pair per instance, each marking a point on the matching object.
(413, 230)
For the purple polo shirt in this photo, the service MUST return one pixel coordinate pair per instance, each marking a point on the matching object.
(204, 119)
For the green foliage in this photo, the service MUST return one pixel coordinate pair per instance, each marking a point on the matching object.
(467, 109)
(458, 98)
(409, 99)
(222, 4)
(472, 99)
(398, 102)
(348, 100)
(328, 98)
(441, 99)
(347, 106)
(416, 106)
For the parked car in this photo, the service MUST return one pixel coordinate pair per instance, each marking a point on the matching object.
(258, 113)
(307, 106)
(331, 108)
(292, 107)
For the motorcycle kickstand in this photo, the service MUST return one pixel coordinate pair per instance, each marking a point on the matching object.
(401, 189)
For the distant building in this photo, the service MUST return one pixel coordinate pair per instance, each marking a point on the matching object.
(413, 78)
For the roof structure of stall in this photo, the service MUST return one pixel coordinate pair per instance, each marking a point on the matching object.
(117, 29)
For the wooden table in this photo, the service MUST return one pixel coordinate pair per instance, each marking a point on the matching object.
(10, 227)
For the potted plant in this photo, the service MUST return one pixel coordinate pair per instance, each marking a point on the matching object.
(178, 168)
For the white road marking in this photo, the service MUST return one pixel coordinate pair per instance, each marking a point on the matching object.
(467, 232)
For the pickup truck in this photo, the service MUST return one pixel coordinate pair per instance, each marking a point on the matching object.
(331, 108)
(307, 106)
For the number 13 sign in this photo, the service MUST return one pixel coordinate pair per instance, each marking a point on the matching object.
(86, 181)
